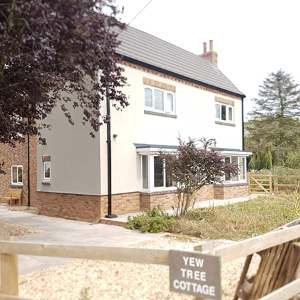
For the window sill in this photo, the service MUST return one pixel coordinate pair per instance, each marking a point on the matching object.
(46, 183)
(235, 183)
(169, 191)
(150, 112)
(225, 123)
(16, 185)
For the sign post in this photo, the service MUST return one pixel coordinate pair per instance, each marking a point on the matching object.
(195, 274)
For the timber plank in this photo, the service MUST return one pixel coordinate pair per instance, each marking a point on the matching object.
(256, 244)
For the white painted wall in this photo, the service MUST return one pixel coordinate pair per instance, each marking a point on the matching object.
(195, 110)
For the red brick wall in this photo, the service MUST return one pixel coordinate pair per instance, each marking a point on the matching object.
(18, 156)
(164, 199)
(205, 193)
(68, 206)
(122, 204)
(231, 192)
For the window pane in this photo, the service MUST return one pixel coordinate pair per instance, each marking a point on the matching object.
(230, 113)
(227, 176)
(20, 175)
(158, 100)
(145, 171)
(217, 111)
(168, 179)
(223, 117)
(234, 160)
(169, 104)
(242, 168)
(158, 172)
(14, 175)
(148, 97)
(47, 170)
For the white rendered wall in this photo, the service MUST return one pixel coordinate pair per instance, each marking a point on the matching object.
(195, 110)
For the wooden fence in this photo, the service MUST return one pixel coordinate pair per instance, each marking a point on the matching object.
(11, 249)
(268, 184)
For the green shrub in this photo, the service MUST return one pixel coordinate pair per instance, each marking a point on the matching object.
(155, 220)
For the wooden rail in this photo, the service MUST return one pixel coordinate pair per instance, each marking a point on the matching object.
(267, 184)
(10, 250)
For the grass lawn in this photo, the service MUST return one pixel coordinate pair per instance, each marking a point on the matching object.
(241, 220)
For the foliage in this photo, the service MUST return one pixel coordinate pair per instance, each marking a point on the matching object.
(54, 52)
(260, 160)
(275, 119)
(241, 220)
(293, 160)
(192, 167)
(155, 220)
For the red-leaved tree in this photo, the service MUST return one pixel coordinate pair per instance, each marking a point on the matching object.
(53, 52)
(191, 167)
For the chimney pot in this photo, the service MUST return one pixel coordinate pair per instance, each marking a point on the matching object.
(211, 45)
(204, 48)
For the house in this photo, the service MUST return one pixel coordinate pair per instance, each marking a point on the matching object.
(172, 92)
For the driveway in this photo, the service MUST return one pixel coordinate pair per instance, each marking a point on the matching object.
(61, 231)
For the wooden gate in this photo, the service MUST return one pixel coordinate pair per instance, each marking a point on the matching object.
(260, 184)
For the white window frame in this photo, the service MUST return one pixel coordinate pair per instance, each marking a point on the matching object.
(227, 107)
(165, 96)
(44, 170)
(240, 159)
(18, 182)
(151, 187)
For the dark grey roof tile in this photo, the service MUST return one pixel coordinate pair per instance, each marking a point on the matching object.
(150, 50)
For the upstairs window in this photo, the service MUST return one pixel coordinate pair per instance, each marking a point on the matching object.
(159, 100)
(224, 112)
(17, 175)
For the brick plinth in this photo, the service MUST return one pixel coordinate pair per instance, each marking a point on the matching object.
(122, 204)
(69, 206)
(231, 191)
(164, 199)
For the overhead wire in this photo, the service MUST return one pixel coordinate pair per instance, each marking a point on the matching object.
(136, 16)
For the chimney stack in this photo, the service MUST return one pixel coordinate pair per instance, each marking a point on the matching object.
(211, 56)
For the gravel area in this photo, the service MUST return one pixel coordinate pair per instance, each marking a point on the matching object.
(31, 210)
(92, 279)
(12, 229)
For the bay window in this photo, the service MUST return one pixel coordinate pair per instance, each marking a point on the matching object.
(241, 162)
(154, 177)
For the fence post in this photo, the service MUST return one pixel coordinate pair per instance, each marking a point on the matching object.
(275, 184)
(270, 183)
(9, 271)
(249, 189)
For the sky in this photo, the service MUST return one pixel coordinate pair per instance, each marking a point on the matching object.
(252, 38)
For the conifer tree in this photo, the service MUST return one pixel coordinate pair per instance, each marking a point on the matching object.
(275, 118)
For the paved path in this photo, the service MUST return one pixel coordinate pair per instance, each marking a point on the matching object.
(61, 231)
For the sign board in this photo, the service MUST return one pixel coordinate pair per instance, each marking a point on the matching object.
(195, 274)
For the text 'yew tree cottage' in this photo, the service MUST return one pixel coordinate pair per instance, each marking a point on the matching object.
(171, 91)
